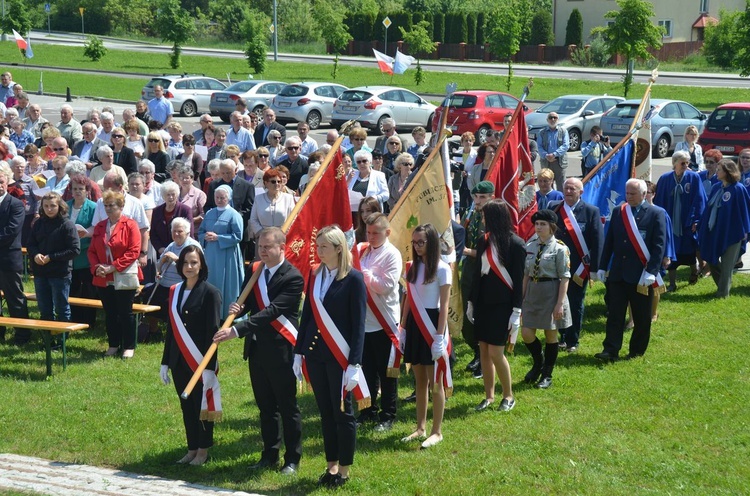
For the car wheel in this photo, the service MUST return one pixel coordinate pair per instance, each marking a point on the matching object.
(225, 118)
(379, 126)
(189, 109)
(259, 112)
(430, 120)
(313, 119)
(574, 138)
(661, 148)
(483, 133)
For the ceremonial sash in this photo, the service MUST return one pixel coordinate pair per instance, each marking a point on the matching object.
(281, 323)
(442, 370)
(336, 343)
(631, 228)
(494, 260)
(211, 397)
(390, 325)
(571, 224)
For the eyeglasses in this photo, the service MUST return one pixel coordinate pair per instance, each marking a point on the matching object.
(264, 156)
(419, 244)
(394, 143)
(276, 181)
(357, 139)
(89, 132)
(30, 155)
(273, 137)
(364, 161)
(59, 149)
(232, 156)
(152, 140)
(110, 205)
(118, 136)
(292, 148)
(145, 173)
(409, 164)
(710, 162)
(387, 130)
(58, 169)
(552, 118)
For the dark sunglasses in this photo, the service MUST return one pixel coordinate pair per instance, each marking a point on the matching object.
(152, 140)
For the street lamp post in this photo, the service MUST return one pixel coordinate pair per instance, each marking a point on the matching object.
(275, 34)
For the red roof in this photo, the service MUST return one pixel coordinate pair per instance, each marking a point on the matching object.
(703, 20)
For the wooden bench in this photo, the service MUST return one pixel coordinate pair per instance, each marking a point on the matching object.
(138, 308)
(50, 328)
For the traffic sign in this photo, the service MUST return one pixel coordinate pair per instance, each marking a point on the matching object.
(272, 28)
(387, 22)
(47, 7)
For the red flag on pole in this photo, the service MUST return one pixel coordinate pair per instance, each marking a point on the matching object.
(513, 174)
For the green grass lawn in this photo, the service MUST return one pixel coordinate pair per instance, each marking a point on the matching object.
(157, 64)
(673, 422)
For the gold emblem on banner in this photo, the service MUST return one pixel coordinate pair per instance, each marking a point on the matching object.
(296, 246)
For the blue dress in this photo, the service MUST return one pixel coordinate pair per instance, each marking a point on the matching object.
(731, 221)
(692, 202)
(226, 269)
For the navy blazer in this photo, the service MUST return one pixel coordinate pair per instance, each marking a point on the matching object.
(346, 303)
(126, 159)
(258, 134)
(626, 266)
(12, 215)
(243, 197)
(590, 221)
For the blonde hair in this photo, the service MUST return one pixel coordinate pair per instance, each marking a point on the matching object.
(546, 174)
(335, 236)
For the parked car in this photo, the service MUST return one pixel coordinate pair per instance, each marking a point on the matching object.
(578, 114)
(190, 95)
(727, 129)
(307, 101)
(370, 105)
(669, 119)
(258, 95)
(479, 112)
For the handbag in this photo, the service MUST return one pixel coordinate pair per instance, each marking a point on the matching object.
(128, 278)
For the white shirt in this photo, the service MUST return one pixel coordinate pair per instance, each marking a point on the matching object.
(381, 268)
(328, 277)
(155, 193)
(308, 146)
(430, 293)
(133, 209)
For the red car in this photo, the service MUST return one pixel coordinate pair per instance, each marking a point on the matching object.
(727, 129)
(479, 112)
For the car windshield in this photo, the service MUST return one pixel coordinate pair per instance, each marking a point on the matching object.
(729, 121)
(461, 101)
(563, 106)
(624, 111)
(355, 96)
(242, 86)
(164, 83)
(293, 90)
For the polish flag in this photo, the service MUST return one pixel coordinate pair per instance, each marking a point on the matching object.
(19, 40)
(384, 62)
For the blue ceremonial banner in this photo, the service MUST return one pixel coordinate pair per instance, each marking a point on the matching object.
(606, 188)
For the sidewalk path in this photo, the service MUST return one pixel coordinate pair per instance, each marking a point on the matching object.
(24, 473)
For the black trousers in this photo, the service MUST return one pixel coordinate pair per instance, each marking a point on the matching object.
(11, 283)
(339, 428)
(118, 312)
(576, 297)
(81, 287)
(375, 356)
(199, 433)
(275, 391)
(621, 293)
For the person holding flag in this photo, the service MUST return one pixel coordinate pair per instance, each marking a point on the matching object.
(331, 337)
(425, 318)
(496, 298)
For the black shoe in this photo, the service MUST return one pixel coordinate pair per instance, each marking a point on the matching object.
(367, 417)
(325, 479)
(384, 426)
(473, 365)
(631, 356)
(264, 464)
(534, 374)
(289, 469)
(507, 405)
(337, 481)
(544, 383)
(478, 373)
(411, 398)
(606, 356)
(671, 288)
(562, 346)
(483, 405)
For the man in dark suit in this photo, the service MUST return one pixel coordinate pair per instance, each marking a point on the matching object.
(268, 349)
(389, 129)
(86, 148)
(584, 251)
(269, 123)
(295, 162)
(630, 280)
(12, 213)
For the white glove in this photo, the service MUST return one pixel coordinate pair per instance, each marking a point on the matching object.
(438, 347)
(401, 338)
(515, 319)
(297, 367)
(649, 279)
(164, 373)
(352, 377)
(470, 312)
(601, 275)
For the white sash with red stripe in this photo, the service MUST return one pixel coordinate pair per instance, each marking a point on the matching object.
(389, 324)
(211, 398)
(571, 224)
(494, 262)
(281, 323)
(336, 342)
(639, 244)
(442, 370)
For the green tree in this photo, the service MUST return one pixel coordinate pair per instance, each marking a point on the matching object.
(255, 51)
(631, 34)
(541, 29)
(329, 16)
(294, 22)
(230, 15)
(722, 41)
(174, 24)
(16, 17)
(94, 48)
(134, 16)
(420, 44)
(503, 33)
(574, 29)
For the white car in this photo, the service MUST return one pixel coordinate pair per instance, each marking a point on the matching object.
(371, 105)
(190, 95)
(306, 102)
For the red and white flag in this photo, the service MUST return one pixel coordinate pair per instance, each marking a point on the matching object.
(385, 63)
(22, 45)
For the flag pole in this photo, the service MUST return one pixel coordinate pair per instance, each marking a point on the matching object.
(506, 132)
(344, 131)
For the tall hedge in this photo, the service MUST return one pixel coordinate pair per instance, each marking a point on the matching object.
(471, 26)
(574, 29)
(480, 28)
(541, 29)
(455, 27)
(360, 26)
(438, 24)
(417, 17)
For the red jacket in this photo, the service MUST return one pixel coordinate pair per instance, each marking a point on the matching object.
(125, 245)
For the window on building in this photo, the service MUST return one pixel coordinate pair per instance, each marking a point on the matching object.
(667, 25)
(704, 6)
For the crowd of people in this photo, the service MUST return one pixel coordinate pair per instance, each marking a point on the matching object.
(104, 208)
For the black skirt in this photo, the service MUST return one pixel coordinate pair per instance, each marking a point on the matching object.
(416, 350)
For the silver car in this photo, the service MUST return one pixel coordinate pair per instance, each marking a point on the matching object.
(578, 114)
(306, 102)
(258, 95)
(190, 95)
(669, 119)
(371, 105)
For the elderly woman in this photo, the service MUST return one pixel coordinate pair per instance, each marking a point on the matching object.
(477, 170)
(284, 179)
(393, 150)
(220, 234)
(275, 147)
(681, 194)
(366, 181)
(20, 136)
(134, 140)
(190, 195)
(358, 139)
(191, 157)
(113, 257)
(251, 172)
(81, 212)
(693, 149)
(122, 155)
(272, 208)
(165, 213)
(151, 188)
(214, 174)
(175, 137)
(219, 146)
(27, 184)
(106, 158)
(264, 158)
(404, 164)
(59, 181)
(724, 225)
(708, 176)
(34, 163)
(156, 154)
